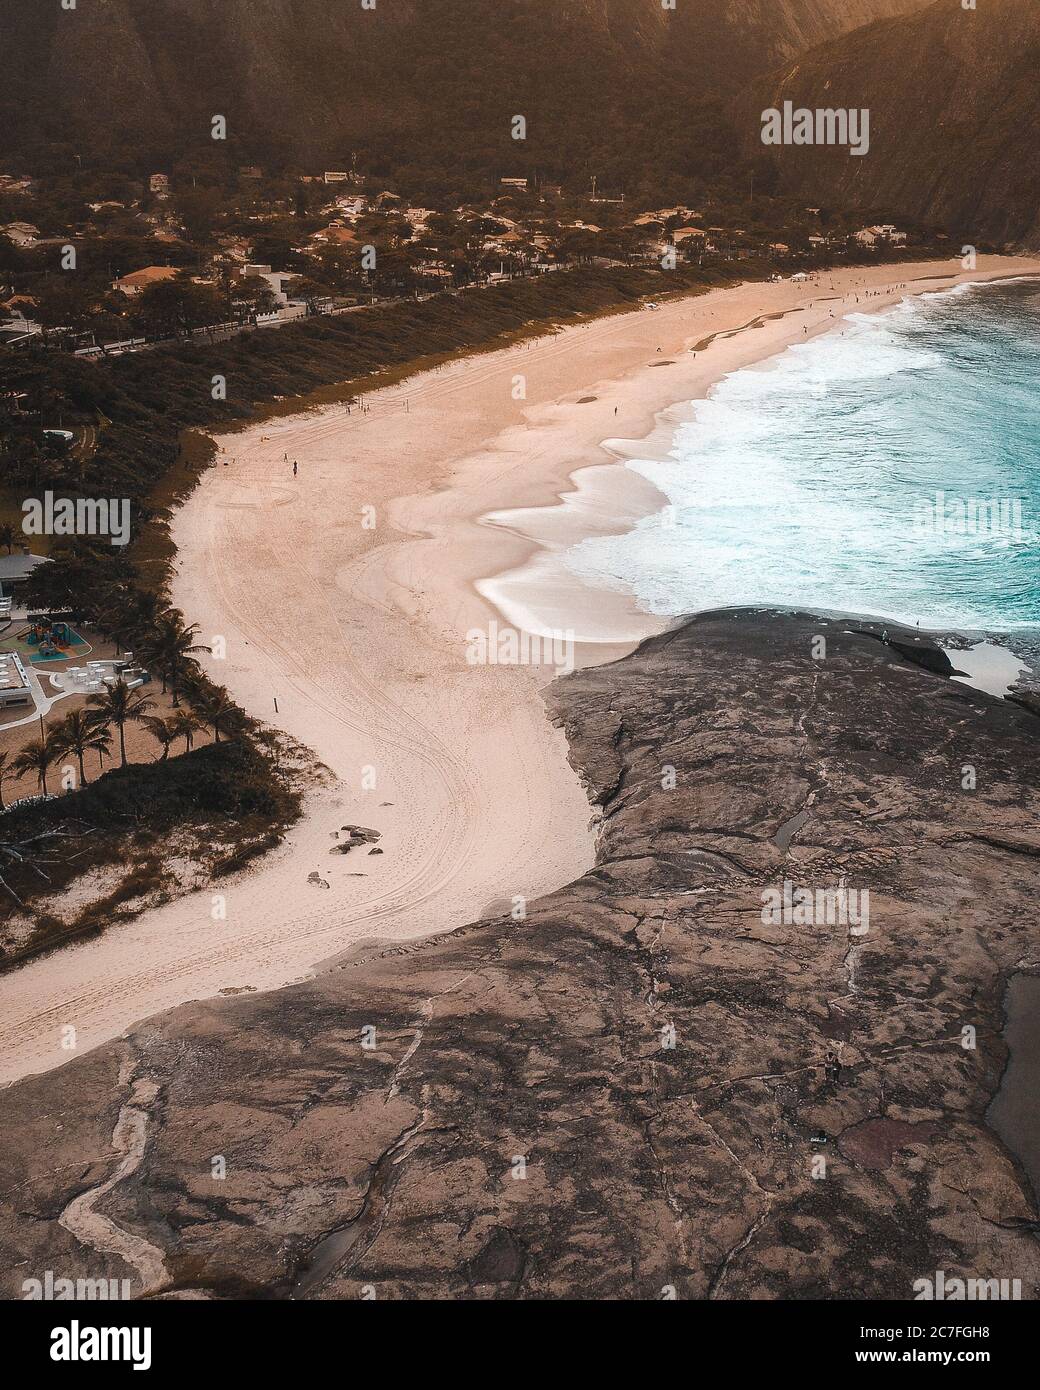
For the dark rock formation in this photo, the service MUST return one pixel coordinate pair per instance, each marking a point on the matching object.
(652, 1082)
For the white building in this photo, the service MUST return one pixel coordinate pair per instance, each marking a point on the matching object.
(14, 683)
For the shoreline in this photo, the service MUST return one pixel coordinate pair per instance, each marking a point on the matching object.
(345, 594)
(605, 497)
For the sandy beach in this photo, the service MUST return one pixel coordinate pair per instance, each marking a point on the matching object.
(345, 595)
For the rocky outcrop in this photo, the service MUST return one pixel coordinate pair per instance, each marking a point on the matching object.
(673, 1074)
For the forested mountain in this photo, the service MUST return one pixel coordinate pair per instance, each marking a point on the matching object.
(606, 86)
(954, 106)
(643, 97)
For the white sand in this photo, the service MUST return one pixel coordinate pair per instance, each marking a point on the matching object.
(360, 636)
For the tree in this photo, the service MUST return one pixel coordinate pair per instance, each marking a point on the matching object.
(5, 771)
(170, 646)
(164, 731)
(129, 615)
(175, 306)
(119, 705)
(253, 296)
(79, 733)
(214, 706)
(7, 537)
(199, 210)
(184, 726)
(37, 757)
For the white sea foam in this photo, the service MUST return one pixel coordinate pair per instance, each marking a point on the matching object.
(799, 484)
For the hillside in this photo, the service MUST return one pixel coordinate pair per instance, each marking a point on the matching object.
(954, 106)
(413, 82)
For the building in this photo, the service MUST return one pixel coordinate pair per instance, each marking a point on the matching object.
(336, 175)
(139, 280)
(337, 235)
(276, 279)
(16, 569)
(18, 305)
(513, 183)
(14, 683)
(884, 232)
(23, 234)
(159, 184)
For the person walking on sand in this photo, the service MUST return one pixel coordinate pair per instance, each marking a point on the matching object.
(295, 468)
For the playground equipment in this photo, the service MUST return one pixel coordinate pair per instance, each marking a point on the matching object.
(49, 636)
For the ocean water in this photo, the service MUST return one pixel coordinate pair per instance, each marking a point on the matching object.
(890, 467)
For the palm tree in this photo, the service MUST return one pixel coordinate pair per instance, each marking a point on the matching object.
(38, 757)
(5, 771)
(128, 615)
(170, 647)
(164, 731)
(79, 733)
(215, 708)
(184, 726)
(119, 705)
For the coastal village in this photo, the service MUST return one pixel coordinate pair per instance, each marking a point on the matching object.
(162, 258)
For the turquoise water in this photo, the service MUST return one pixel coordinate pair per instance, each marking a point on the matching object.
(891, 467)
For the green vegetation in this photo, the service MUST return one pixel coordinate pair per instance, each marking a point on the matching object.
(219, 806)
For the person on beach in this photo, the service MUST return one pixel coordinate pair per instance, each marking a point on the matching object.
(295, 468)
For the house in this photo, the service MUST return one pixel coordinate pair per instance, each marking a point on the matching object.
(663, 214)
(17, 304)
(17, 326)
(159, 184)
(23, 234)
(16, 569)
(337, 235)
(336, 175)
(277, 281)
(684, 233)
(885, 232)
(139, 280)
(513, 183)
